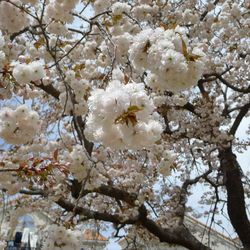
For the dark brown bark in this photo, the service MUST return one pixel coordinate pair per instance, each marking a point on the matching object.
(90, 214)
(104, 190)
(178, 235)
(236, 206)
(243, 111)
(49, 89)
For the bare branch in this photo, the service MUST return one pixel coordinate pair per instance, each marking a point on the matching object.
(243, 111)
(93, 214)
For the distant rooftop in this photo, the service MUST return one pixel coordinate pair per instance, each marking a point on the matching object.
(93, 235)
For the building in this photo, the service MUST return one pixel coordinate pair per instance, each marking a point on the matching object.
(26, 233)
(93, 240)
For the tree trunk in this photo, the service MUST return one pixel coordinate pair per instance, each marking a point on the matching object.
(236, 206)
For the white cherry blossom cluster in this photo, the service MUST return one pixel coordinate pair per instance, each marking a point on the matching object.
(120, 8)
(89, 50)
(18, 126)
(145, 12)
(79, 162)
(100, 6)
(59, 11)
(60, 238)
(122, 116)
(12, 18)
(164, 158)
(80, 88)
(166, 163)
(165, 56)
(57, 27)
(25, 73)
(122, 43)
(9, 183)
(190, 17)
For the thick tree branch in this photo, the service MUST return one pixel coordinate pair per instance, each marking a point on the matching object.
(236, 206)
(179, 235)
(30, 29)
(104, 190)
(33, 192)
(190, 107)
(243, 111)
(93, 214)
(49, 89)
(225, 82)
(79, 126)
(214, 76)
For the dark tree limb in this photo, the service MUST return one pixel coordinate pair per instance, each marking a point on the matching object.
(31, 29)
(225, 82)
(214, 76)
(179, 235)
(110, 191)
(79, 126)
(50, 89)
(236, 206)
(243, 111)
(34, 192)
(90, 214)
(190, 107)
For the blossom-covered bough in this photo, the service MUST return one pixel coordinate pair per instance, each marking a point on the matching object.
(117, 111)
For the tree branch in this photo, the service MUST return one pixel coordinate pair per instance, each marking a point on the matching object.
(236, 206)
(179, 235)
(49, 89)
(184, 192)
(246, 90)
(104, 190)
(90, 214)
(243, 111)
(33, 192)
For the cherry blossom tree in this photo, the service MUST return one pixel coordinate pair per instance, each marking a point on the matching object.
(115, 112)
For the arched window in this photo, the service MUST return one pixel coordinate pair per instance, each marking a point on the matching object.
(26, 221)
